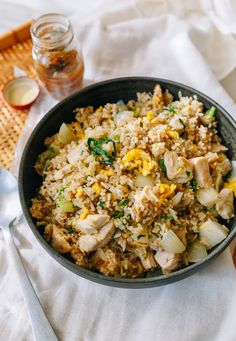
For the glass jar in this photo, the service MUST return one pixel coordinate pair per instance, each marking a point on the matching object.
(57, 55)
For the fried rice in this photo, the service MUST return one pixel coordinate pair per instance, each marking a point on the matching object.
(132, 187)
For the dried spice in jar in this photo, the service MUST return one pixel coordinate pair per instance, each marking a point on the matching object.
(57, 55)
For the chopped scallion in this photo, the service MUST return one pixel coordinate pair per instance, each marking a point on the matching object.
(210, 112)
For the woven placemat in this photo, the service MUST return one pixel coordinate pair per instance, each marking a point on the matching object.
(12, 120)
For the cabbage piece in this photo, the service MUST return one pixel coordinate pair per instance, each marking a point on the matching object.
(142, 181)
(66, 135)
(207, 196)
(212, 233)
(171, 243)
(196, 252)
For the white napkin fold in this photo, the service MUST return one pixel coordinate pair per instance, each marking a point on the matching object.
(151, 38)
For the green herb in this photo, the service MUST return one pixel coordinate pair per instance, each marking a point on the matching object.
(117, 214)
(53, 150)
(137, 111)
(70, 230)
(62, 190)
(141, 124)
(101, 203)
(168, 216)
(123, 203)
(193, 184)
(96, 148)
(210, 112)
(171, 218)
(128, 220)
(188, 173)
(170, 115)
(41, 223)
(47, 164)
(116, 138)
(140, 236)
(144, 253)
(82, 152)
(162, 166)
(172, 109)
(182, 122)
(214, 212)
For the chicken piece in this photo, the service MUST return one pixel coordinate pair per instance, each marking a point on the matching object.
(92, 242)
(211, 157)
(167, 261)
(167, 97)
(218, 148)
(148, 260)
(107, 262)
(59, 242)
(176, 123)
(225, 205)
(201, 171)
(224, 167)
(91, 224)
(48, 232)
(218, 182)
(178, 168)
(79, 257)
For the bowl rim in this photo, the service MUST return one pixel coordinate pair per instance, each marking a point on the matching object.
(136, 283)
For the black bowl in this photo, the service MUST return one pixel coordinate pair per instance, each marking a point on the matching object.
(96, 95)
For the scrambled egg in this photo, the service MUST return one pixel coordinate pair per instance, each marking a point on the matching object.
(106, 172)
(100, 109)
(231, 185)
(172, 134)
(79, 192)
(139, 159)
(96, 188)
(150, 115)
(84, 213)
(165, 190)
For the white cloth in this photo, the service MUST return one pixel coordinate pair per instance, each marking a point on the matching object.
(187, 41)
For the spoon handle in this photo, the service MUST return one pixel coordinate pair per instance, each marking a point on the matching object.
(41, 327)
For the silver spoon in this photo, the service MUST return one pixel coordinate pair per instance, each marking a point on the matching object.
(10, 213)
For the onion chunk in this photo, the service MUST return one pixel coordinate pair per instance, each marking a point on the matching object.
(171, 243)
(66, 135)
(207, 196)
(196, 252)
(212, 233)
